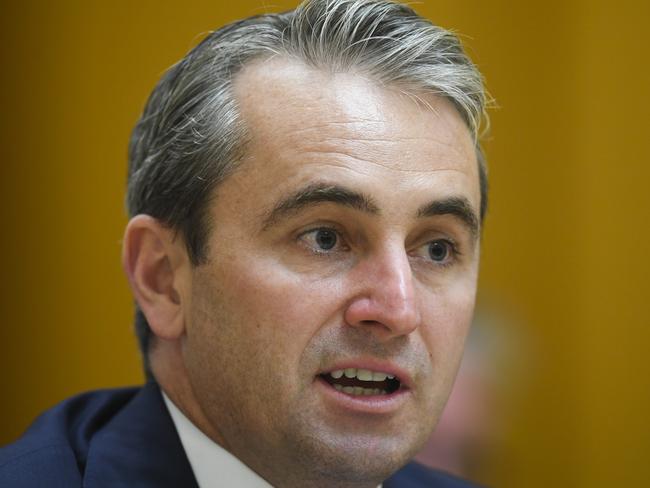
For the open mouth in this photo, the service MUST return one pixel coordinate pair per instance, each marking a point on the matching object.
(362, 382)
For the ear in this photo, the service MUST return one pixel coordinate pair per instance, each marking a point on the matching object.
(157, 266)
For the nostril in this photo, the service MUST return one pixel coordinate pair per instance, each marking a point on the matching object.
(387, 316)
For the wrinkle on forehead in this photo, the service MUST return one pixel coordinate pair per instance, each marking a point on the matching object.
(352, 121)
(373, 144)
(341, 155)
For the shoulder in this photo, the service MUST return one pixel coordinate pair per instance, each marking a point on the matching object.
(53, 450)
(415, 475)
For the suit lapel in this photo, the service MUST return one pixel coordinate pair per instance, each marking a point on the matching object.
(139, 447)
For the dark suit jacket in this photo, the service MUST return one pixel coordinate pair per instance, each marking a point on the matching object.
(125, 438)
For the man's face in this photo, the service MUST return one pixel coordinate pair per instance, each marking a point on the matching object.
(346, 240)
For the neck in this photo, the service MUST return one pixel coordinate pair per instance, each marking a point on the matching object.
(170, 373)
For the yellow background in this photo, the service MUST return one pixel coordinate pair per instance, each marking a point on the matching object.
(565, 254)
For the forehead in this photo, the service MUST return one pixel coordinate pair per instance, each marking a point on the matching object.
(309, 123)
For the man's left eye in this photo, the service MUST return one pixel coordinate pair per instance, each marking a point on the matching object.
(322, 239)
(441, 251)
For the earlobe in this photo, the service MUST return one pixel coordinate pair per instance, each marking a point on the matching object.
(154, 262)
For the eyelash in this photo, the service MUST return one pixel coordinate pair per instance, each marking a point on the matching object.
(339, 246)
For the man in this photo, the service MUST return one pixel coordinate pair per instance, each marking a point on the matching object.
(306, 193)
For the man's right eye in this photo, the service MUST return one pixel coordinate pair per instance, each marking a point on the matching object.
(322, 239)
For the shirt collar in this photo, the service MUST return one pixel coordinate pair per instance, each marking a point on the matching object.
(213, 466)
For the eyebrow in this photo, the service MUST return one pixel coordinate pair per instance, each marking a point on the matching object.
(458, 207)
(317, 193)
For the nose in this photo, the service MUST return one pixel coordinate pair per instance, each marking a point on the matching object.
(385, 299)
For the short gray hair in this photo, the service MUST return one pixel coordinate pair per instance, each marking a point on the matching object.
(190, 136)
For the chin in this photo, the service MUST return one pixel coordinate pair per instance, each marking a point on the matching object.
(365, 465)
(356, 458)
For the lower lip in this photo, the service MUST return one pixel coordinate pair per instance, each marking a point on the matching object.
(371, 404)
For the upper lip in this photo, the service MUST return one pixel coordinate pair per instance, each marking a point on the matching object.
(377, 365)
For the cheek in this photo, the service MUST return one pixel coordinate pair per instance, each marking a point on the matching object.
(281, 310)
(443, 332)
(447, 317)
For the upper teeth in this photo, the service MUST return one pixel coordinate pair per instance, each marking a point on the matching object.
(361, 374)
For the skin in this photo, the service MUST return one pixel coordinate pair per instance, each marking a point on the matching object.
(241, 339)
